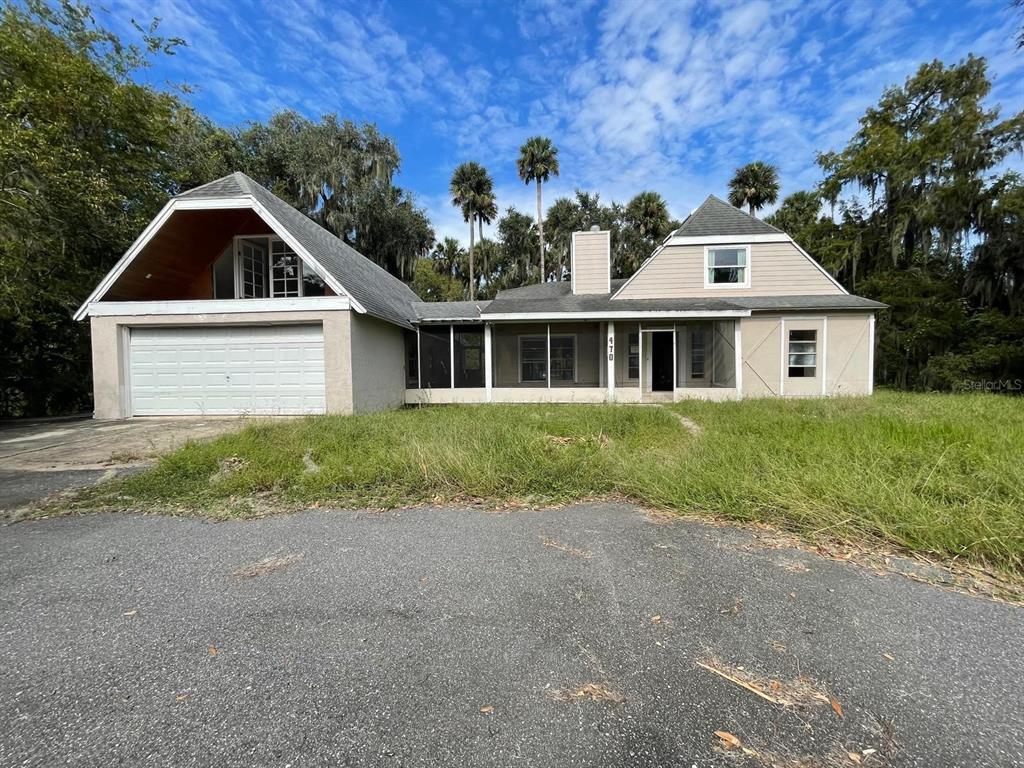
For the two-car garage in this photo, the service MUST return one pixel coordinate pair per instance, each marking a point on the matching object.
(226, 370)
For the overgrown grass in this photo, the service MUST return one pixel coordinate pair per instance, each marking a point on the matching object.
(940, 474)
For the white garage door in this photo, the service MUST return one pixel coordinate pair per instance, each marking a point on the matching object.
(275, 369)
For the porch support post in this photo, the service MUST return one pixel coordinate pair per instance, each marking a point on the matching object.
(738, 348)
(871, 354)
(675, 361)
(419, 361)
(547, 374)
(451, 351)
(640, 357)
(488, 372)
(610, 360)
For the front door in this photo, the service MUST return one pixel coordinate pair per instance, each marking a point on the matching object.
(662, 379)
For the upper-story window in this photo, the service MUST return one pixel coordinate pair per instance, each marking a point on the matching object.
(264, 267)
(727, 266)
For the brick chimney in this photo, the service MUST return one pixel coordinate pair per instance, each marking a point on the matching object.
(591, 261)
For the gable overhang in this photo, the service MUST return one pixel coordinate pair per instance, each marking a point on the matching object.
(210, 204)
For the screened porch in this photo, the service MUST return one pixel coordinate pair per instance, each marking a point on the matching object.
(571, 362)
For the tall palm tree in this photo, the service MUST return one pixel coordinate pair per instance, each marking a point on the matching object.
(538, 160)
(469, 187)
(755, 185)
(486, 212)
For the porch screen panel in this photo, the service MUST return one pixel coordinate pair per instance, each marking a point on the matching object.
(723, 351)
(435, 357)
(469, 356)
(577, 354)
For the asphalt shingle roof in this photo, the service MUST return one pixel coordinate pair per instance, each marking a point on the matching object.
(379, 292)
(436, 311)
(715, 217)
(565, 301)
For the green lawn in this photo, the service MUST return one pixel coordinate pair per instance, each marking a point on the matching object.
(940, 474)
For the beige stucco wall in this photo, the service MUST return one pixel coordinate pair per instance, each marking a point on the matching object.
(591, 262)
(377, 364)
(776, 269)
(844, 340)
(109, 356)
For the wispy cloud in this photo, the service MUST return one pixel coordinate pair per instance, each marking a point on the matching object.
(637, 94)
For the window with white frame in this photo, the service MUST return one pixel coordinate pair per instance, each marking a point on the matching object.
(727, 265)
(533, 354)
(285, 270)
(803, 354)
(633, 356)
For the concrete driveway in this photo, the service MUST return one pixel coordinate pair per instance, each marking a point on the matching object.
(448, 637)
(38, 458)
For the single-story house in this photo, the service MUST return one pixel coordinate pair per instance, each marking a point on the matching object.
(233, 302)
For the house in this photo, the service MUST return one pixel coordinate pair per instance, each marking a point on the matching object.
(233, 302)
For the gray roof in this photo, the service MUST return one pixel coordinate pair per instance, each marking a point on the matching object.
(716, 217)
(438, 311)
(558, 297)
(379, 292)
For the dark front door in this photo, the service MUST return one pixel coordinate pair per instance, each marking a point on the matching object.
(661, 362)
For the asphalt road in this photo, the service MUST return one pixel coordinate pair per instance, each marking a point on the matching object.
(452, 637)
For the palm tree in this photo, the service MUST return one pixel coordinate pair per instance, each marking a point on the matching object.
(538, 160)
(755, 185)
(470, 187)
(486, 212)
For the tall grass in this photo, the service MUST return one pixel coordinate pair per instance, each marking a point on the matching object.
(940, 474)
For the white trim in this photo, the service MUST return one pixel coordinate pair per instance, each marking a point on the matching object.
(212, 203)
(783, 357)
(419, 364)
(608, 254)
(451, 353)
(488, 370)
(617, 315)
(609, 360)
(547, 366)
(214, 306)
(154, 226)
(747, 267)
(824, 356)
(780, 237)
(737, 349)
(649, 369)
(871, 354)
(784, 345)
(639, 359)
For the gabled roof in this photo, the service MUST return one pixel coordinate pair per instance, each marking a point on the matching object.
(716, 217)
(379, 292)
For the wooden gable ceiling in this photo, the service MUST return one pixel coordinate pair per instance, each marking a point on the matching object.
(177, 262)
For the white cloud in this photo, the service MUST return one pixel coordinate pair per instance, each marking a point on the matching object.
(670, 96)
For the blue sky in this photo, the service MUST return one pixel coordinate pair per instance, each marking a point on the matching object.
(669, 96)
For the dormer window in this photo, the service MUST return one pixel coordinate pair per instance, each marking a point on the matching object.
(727, 266)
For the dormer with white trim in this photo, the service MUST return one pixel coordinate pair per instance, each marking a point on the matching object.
(721, 252)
